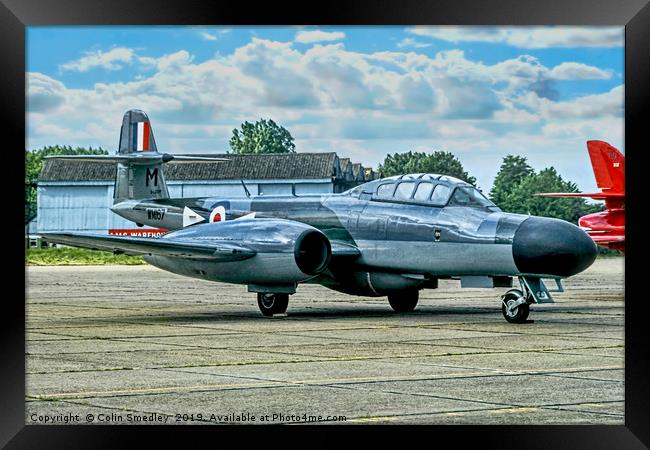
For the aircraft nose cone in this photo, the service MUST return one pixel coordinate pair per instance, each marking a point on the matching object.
(552, 247)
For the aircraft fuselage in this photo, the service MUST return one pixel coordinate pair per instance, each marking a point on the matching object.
(401, 243)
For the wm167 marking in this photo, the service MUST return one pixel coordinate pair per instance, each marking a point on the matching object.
(156, 213)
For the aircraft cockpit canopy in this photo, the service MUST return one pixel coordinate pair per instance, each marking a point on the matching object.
(425, 189)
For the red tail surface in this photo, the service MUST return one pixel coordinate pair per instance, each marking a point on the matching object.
(607, 228)
(609, 169)
(609, 166)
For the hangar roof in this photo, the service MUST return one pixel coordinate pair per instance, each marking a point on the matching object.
(265, 166)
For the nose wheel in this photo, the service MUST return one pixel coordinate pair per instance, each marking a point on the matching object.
(271, 304)
(514, 306)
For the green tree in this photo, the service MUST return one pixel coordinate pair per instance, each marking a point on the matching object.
(34, 165)
(444, 163)
(521, 198)
(512, 171)
(264, 136)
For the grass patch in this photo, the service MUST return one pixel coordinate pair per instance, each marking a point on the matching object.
(57, 256)
(607, 253)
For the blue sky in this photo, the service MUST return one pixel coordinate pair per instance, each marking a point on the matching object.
(479, 92)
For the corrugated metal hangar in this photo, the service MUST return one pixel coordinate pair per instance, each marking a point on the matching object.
(77, 195)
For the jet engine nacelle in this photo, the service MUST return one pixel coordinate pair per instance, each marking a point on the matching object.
(286, 252)
(374, 284)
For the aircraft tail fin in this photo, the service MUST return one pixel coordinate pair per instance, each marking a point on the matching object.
(609, 166)
(136, 134)
(139, 165)
(609, 169)
(132, 180)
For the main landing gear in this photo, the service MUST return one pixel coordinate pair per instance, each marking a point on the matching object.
(271, 304)
(404, 301)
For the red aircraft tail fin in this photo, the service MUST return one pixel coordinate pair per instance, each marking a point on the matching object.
(609, 166)
(609, 169)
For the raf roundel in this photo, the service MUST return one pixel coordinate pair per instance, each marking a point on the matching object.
(218, 214)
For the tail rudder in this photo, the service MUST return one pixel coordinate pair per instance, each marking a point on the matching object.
(609, 166)
(139, 172)
(138, 179)
(136, 134)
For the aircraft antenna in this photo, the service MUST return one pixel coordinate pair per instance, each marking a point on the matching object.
(248, 194)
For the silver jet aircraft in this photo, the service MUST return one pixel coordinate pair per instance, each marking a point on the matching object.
(391, 237)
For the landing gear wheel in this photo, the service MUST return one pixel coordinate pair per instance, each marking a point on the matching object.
(513, 312)
(404, 301)
(271, 304)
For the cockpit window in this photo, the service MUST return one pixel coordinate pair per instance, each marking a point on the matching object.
(385, 190)
(450, 179)
(423, 192)
(412, 176)
(440, 195)
(355, 191)
(469, 196)
(404, 190)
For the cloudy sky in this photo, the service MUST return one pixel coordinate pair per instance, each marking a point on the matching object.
(479, 92)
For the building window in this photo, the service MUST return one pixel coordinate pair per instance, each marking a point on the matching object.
(275, 189)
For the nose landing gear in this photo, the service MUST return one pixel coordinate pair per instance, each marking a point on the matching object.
(515, 306)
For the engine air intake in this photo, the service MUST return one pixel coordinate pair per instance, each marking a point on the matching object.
(312, 252)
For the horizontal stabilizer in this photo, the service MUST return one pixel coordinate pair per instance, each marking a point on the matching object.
(147, 158)
(605, 239)
(180, 248)
(595, 195)
(191, 159)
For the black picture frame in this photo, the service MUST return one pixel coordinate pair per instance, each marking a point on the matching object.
(15, 15)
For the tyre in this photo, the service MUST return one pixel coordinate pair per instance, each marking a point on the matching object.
(271, 304)
(520, 313)
(404, 301)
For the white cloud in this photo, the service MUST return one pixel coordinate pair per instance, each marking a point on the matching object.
(361, 105)
(410, 42)
(110, 60)
(309, 37)
(174, 60)
(608, 104)
(44, 94)
(579, 71)
(527, 36)
(207, 36)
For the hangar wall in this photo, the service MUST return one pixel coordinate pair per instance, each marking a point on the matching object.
(85, 206)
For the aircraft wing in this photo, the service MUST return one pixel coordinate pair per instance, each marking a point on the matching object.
(181, 248)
